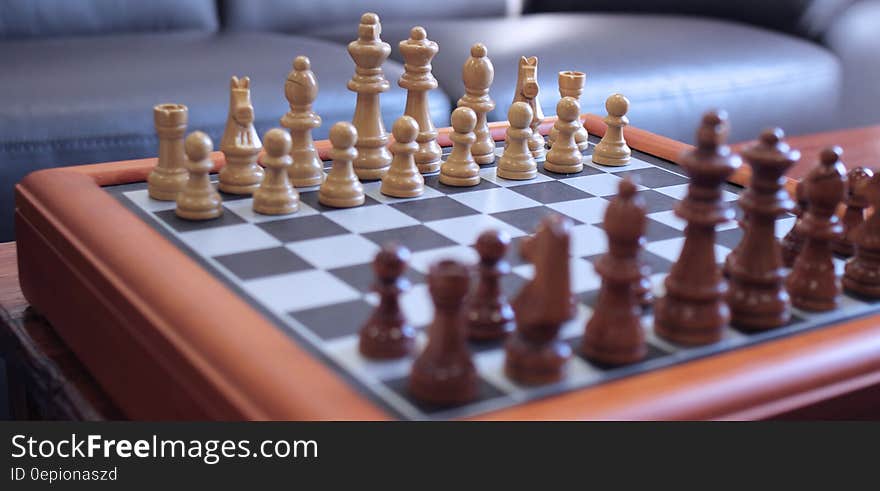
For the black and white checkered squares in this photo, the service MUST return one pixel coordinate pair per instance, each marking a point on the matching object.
(311, 272)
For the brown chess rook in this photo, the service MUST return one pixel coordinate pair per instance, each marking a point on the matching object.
(369, 52)
(489, 315)
(169, 176)
(857, 181)
(417, 52)
(862, 273)
(240, 143)
(386, 334)
(614, 334)
(571, 84)
(527, 91)
(533, 352)
(756, 296)
(793, 242)
(813, 284)
(477, 75)
(693, 311)
(301, 90)
(276, 195)
(198, 200)
(444, 373)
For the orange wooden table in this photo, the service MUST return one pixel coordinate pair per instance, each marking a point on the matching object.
(188, 373)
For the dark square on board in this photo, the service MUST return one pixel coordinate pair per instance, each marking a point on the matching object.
(527, 219)
(416, 238)
(302, 228)
(426, 210)
(401, 386)
(655, 201)
(653, 177)
(263, 262)
(550, 192)
(180, 225)
(362, 277)
(334, 320)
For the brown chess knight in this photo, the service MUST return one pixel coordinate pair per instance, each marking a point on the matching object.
(527, 91)
(240, 144)
(534, 354)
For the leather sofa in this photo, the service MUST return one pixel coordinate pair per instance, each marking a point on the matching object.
(79, 77)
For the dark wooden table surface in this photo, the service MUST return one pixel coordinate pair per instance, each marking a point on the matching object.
(47, 381)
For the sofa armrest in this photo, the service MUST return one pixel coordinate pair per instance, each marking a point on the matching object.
(855, 38)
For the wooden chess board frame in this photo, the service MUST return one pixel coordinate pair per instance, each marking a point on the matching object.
(120, 296)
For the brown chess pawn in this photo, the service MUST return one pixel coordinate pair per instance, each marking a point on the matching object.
(478, 74)
(756, 296)
(444, 373)
(169, 176)
(403, 179)
(612, 148)
(276, 195)
(460, 169)
(614, 334)
(862, 274)
(386, 334)
(517, 162)
(527, 91)
(369, 52)
(240, 143)
(813, 284)
(856, 201)
(564, 156)
(301, 90)
(342, 189)
(198, 200)
(793, 242)
(533, 352)
(571, 84)
(489, 315)
(417, 53)
(693, 311)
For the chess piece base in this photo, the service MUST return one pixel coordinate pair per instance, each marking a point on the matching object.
(387, 344)
(484, 159)
(459, 181)
(564, 168)
(489, 324)
(460, 388)
(690, 324)
(536, 145)
(870, 290)
(164, 185)
(240, 180)
(401, 192)
(610, 161)
(516, 175)
(340, 202)
(607, 355)
(307, 182)
(189, 212)
(531, 364)
(275, 206)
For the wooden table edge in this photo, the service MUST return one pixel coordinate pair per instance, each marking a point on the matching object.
(726, 385)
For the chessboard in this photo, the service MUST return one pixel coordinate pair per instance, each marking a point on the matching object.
(311, 273)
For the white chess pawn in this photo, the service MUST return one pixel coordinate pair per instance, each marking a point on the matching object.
(612, 149)
(564, 156)
(276, 195)
(341, 188)
(517, 162)
(460, 168)
(403, 179)
(198, 200)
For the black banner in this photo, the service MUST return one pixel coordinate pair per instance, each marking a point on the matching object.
(455, 455)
